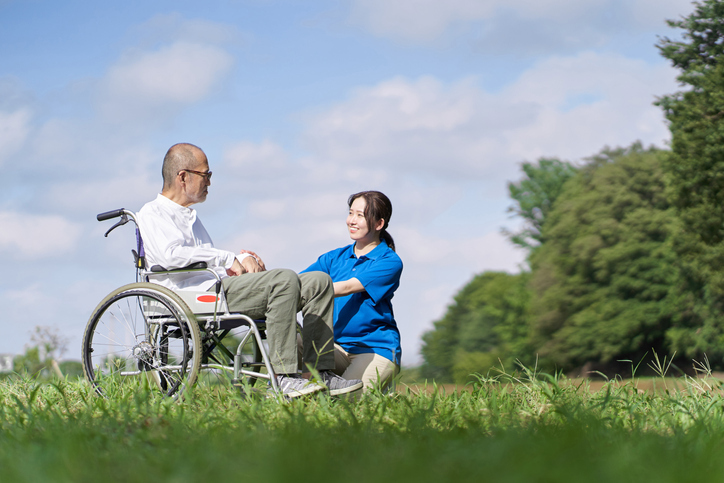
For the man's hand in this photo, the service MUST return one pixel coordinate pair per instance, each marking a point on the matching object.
(236, 269)
(250, 265)
(257, 257)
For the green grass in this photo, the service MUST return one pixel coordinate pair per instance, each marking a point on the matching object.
(535, 428)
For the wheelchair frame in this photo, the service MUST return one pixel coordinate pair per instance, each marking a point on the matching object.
(146, 334)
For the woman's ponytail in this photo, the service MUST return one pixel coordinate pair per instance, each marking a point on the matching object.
(388, 239)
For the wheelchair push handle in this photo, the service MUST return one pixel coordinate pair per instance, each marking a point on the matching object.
(110, 214)
(124, 215)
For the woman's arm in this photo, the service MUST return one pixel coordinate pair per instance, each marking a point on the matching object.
(347, 287)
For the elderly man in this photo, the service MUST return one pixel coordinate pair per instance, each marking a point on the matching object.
(174, 237)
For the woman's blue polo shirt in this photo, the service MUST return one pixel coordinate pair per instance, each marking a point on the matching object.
(364, 322)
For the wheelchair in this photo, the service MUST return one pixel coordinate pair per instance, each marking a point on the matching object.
(144, 334)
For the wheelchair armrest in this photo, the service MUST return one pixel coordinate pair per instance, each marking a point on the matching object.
(193, 266)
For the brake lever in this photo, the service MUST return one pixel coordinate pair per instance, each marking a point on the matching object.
(121, 222)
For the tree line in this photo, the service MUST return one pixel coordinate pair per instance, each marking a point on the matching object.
(625, 251)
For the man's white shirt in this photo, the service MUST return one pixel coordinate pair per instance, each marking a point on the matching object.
(174, 237)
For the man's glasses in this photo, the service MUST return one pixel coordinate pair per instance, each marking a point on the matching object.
(206, 175)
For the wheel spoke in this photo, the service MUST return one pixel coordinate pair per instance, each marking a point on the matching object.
(139, 336)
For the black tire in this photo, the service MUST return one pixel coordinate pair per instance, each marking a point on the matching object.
(141, 335)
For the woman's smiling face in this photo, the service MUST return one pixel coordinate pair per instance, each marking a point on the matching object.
(357, 224)
(356, 221)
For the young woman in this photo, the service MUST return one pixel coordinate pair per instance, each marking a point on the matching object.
(365, 275)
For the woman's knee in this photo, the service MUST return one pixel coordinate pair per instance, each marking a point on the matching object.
(373, 369)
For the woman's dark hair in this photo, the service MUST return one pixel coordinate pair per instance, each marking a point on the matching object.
(378, 207)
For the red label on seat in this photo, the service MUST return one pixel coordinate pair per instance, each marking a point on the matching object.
(206, 298)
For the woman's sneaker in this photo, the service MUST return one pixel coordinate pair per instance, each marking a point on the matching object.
(338, 385)
(294, 385)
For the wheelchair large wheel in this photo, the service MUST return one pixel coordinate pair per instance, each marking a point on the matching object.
(141, 335)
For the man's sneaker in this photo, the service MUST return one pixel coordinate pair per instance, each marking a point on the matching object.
(338, 385)
(293, 385)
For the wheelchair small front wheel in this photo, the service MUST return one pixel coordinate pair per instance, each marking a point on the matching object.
(141, 335)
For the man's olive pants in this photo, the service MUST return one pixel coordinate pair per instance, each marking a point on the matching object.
(277, 295)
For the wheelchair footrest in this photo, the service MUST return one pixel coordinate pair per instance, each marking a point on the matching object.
(249, 374)
(238, 382)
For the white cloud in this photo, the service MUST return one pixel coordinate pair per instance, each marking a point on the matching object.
(563, 106)
(587, 101)
(26, 236)
(172, 76)
(488, 251)
(71, 301)
(14, 130)
(172, 27)
(106, 194)
(648, 13)
(422, 125)
(256, 159)
(514, 25)
(29, 296)
(57, 139)
(418, 20)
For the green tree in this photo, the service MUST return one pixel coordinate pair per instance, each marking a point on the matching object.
(534, 195)
(696, 121)
(602, 281)
(700, 47)
(486, 325)
(696, 176)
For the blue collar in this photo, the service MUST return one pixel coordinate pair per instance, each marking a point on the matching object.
(372, 255)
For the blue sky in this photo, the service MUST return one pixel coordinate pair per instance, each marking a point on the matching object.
(298, 105)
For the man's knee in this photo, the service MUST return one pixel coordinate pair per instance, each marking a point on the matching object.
(285, 275)
(316, 281)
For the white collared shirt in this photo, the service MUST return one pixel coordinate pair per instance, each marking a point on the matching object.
(174, 237)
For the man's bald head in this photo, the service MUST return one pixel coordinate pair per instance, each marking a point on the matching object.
(179, 156)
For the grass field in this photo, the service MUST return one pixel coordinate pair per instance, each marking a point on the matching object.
(529, 428)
